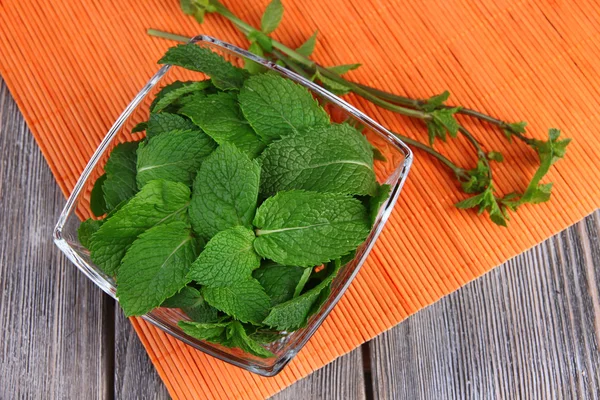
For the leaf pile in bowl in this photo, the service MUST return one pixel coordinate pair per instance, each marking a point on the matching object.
(238, 207)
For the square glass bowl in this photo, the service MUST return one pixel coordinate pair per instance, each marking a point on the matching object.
(392, 171)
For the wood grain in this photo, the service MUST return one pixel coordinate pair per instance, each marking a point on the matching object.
(135, 376)
(52, 318)
(528, 329)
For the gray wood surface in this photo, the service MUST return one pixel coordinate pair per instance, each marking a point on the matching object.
(528, 329)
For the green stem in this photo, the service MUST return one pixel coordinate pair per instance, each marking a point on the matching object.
(167, 35)
(480, 153)
(458, 171)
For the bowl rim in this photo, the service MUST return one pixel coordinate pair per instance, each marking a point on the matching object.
(115, 129)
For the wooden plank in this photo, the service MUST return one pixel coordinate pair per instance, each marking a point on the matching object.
(52, 318)
(343, 379)
(135, 376)
(528, 329)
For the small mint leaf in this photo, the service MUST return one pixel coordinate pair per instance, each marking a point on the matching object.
(97, 202)
(436, 101)
(307, 48)
(495, 156)
(272, 16)
(120, 183)
(279, 281)
(86, 230)
(245, 301)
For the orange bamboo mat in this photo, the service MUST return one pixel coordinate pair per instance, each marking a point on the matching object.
(73, 65)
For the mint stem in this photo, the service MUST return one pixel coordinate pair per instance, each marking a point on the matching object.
(167, 35)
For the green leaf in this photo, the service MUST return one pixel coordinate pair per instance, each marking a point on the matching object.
(193, 57)
(495, 156)
(86, 230)
(187, 6)
(173, 156)
(225, 191)
(175, 94)
(97, 202)
(219, 115)
(262, 40)
(164, 91)
(478, 180)
(266, 336)
(436, 101)
(120, 172)
(294, 313)
(549, 152)
(245, 301)
(272, 16)
(275, 106)
(317, 161)
(155, 267)
(309, 228)
(471, 202)
(188, 296)
(307, 48)
(158, 202)
(335, 87)
(377, 200)
(302, 282)
(203, 331)
(279, 281)
(227, 259)
(190, 301)
(515, 127)
(141, 127)
(163, 122)
(239, 338)
(342, 69)
(445, 118)
(251, 66)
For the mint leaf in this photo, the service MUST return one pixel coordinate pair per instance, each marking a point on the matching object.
(163, 122)
(219, 115)
(275, 106)
(251, 66)
(263, 41)
(342, 69)
(193, 57)
(332, 85)
(228, 258)
(436, 101)
(309, 228)
(164, 91)
(279, 281)
(86, 230)
(188, 296)
(515, 127)
(294, 313)
(97, 202)
(239, 338)
(175, 94)
(191, 302)
(245, 301)
(307, 48)
(155, 203)
(336, 158)
(495, 156)
(120, 172)
(203, 331)
(173, 156)
(302, 282)
(377, 200)
(155, 267)
(225, 191)
(140, 127)
(272, 16)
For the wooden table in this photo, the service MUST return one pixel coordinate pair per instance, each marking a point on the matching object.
(530, 328)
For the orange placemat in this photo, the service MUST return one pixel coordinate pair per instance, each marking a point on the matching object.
(73, 65)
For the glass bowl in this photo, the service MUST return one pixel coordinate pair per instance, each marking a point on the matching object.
(392, 171)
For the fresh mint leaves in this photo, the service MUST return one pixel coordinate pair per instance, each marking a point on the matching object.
(225, 191)
(222, 74)
(239, 192)
(309, 228)
(155, 267)
(276, 107)
(315, 161)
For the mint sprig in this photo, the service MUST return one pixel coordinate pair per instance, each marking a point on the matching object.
(439, 118)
